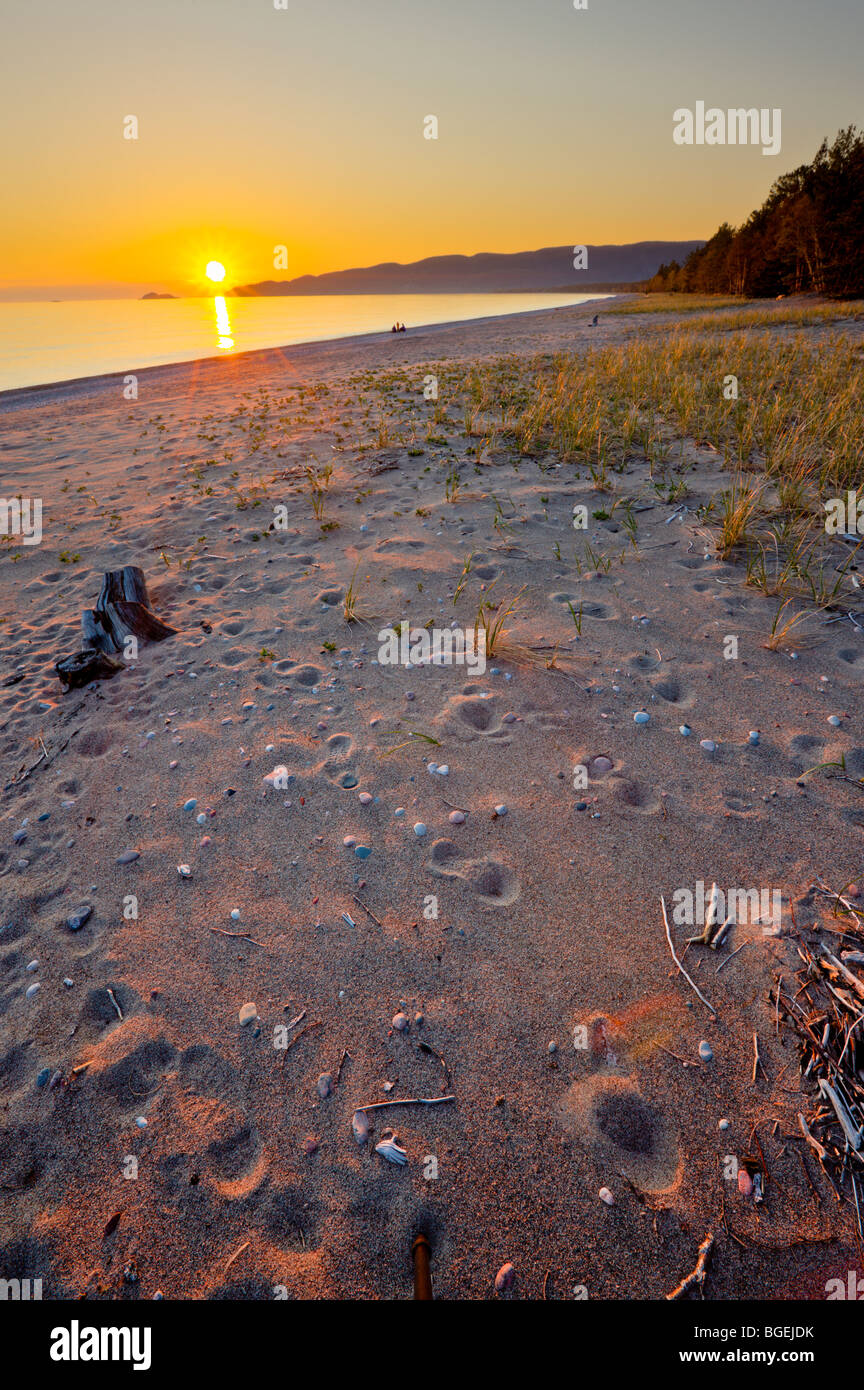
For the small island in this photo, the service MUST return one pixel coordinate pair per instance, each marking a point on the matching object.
(151, 294)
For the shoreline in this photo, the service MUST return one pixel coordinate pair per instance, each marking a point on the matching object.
(81, 385)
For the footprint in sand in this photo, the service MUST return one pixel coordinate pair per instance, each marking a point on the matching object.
(492, 882)
(472, 716)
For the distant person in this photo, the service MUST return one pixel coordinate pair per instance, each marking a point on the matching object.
(402, 328)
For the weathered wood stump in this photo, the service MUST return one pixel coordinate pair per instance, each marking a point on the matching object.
(122, 611)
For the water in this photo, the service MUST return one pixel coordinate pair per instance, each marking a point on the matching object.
(43, 342)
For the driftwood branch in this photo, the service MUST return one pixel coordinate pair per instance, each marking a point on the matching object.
(696, 1275)
(678, 963)
(122, 612)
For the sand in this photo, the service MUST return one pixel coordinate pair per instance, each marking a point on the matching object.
(246, 1182)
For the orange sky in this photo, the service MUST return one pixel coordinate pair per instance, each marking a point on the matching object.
(304, 127)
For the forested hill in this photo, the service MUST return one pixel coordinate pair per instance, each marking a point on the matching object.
(808, 235)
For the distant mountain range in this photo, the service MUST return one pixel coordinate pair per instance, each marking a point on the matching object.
(608, 267)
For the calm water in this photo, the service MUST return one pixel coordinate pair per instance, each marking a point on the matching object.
(57, 342)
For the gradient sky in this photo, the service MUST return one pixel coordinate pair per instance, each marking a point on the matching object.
(304, 127)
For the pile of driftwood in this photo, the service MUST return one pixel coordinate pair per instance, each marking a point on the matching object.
(122, 617)
(825, 1007)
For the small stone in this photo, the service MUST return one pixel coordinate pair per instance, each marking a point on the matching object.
(128, 856)
(33, 965)
(190, 804)
(552, 1047)
(443, 770)
(141, 1122)
(419, 829)
(753, 737)
(724, 1124)
(400, 1023)
(834, 720)
(505, 1278)
(201, 819)
(360, 1126)
(363, 851)
(456, 817)
(708, 745)
(365, 799)
(235, 914)
(501, 810)
(606, 1196)
(44, 1077)
(641, 717)
(324, 1085)
(70, 984)
(349, 842)
(745, 1182)
(248, 1014)
(706, 1052)
(684, 730)
(184, 871)
(32, 990)
(310, 1145)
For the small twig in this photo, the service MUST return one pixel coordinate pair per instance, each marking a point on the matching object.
(724, 963)
(368, 911)
(110, 993)
(239, 935)
(697, 1275)
(409, 1100)
(678, 963)
(757, 1060)
(345, 1054)
(310, 1027)
(244, 1246)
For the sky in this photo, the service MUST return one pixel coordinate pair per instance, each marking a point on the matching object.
(303, 127)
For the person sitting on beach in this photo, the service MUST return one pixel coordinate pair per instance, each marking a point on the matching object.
(402, 328)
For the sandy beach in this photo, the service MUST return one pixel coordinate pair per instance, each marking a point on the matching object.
(490, 936)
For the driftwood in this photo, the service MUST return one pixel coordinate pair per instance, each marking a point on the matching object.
(122, 612)
(696, 1278)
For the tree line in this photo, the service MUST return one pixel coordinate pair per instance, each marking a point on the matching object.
(807, 236)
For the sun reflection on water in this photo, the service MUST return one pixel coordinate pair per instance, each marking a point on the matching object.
(223, 324)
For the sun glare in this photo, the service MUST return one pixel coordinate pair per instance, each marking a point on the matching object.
(215, 271)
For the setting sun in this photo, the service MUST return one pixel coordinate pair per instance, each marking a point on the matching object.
(215, 271)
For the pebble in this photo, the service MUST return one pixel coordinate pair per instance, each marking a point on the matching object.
(753, 737)
(505, 1278)
(76, 920)
(360, 1126)
(745, 1182)
(248, 1014)
(349, 841)
(641, 717)
(278, 775)
(141, 1122)
(128, 856)
(419, 829)
(70, 984)
(184, 871)
(33, 965)
(235, 914)
(363, 851)
(443, 770)
(310, 1145)
(400, 1023)
(456, 817)
(834, 721)
(44, 1077)
(708, 745)
(201, 819)
(724, 1124)
(32, 990)
(606, 1196)
(400, 811)
(501, 810)
(324, 1085)
(190, 804)
(705, 1052)
(684, 730)
(365, 799)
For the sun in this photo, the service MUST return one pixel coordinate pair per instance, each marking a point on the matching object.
(215, 271)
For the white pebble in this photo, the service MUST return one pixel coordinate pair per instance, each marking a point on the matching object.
(419, 829)
(606, 1196)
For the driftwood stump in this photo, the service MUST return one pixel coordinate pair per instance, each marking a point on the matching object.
(122, 611)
